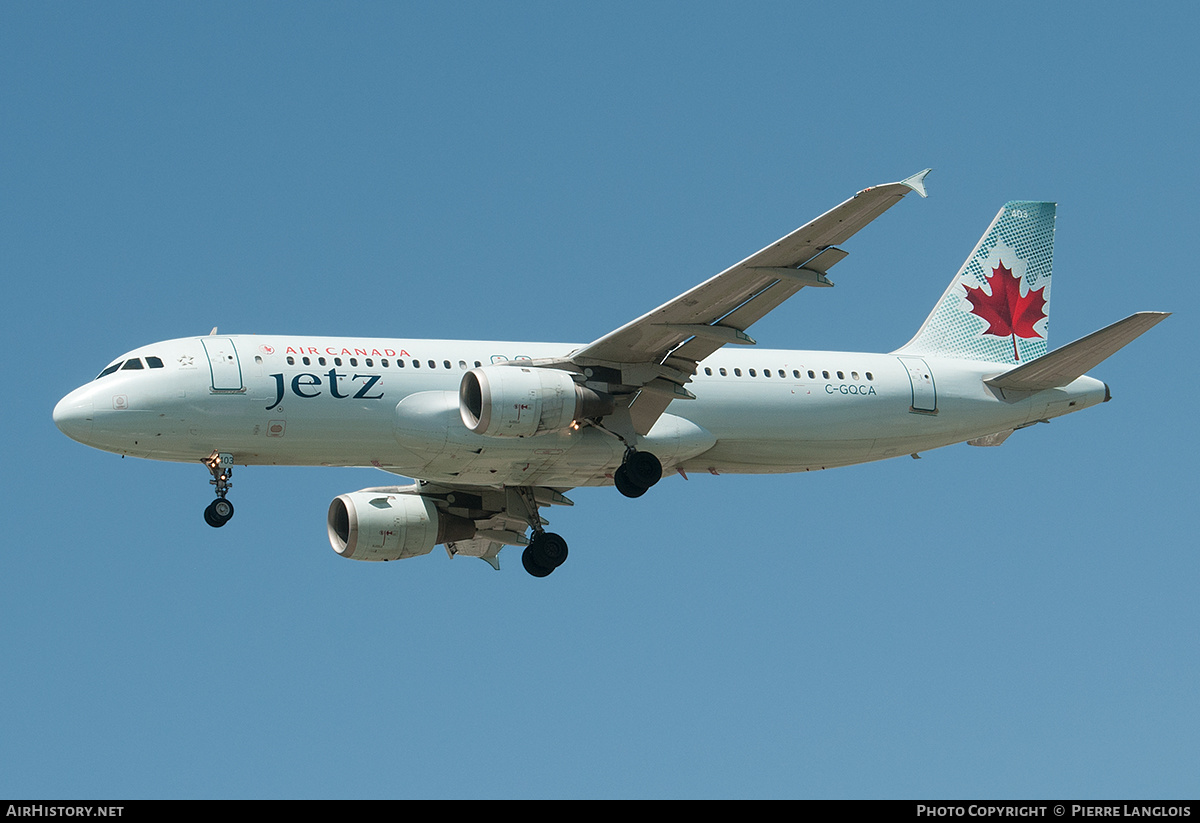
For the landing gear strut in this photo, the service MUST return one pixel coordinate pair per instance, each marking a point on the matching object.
(546, 551)
(637, 473)
(219, 511)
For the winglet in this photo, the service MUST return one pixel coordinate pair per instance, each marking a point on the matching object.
(917, 182)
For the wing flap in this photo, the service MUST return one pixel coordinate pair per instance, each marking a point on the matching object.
(994, 439)
(483, 548)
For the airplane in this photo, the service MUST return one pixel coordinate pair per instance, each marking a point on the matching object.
(495, 432)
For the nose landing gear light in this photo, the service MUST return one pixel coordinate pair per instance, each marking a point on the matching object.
(218, 512)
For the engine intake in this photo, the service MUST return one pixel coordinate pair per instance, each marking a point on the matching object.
(367, 525)
(520, 401)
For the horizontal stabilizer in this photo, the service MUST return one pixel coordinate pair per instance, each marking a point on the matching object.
(1062, 366)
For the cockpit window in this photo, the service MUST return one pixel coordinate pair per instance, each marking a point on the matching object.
(132, 364)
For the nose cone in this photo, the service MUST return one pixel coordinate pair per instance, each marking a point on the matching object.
(73, 414)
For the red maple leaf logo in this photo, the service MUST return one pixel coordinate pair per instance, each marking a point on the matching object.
(1007, 312)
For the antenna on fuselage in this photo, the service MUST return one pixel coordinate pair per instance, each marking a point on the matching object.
(213, 332)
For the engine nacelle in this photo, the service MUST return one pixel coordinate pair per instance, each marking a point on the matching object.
(369, 525)
(519, 401)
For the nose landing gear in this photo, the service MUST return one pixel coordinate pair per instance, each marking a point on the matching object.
(218, 512)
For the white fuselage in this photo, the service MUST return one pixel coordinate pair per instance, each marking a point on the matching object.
(393, 404)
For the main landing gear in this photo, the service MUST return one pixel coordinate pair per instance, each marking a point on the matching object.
(220, 510)
(545, 553)
(637, 473)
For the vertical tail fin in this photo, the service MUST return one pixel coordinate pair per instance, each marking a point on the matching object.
(997, 307)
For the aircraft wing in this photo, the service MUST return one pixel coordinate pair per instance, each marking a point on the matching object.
(658, 353)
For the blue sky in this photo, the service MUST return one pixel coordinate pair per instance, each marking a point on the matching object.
(1011, 622)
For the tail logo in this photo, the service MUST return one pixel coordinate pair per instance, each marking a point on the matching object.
(1007, 312)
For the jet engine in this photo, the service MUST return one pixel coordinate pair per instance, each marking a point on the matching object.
(385, 525)
(519, 401)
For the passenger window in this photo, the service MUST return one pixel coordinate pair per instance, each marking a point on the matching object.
(321, 360)
(291, 360)
(432, 364)
(795, 374)
(446, 364)
(752, 374)
(477, 364)
(154, 362)
(337, 361)
(708, 371)
(782, 373)
(369, 363)
(383, 362)
(841, 376)
(353, 361)
(133, 363)
(854, 375)
(723, 374)
(869, 377)
(307, 362)
(462, 364)
(737, 372)
(416, 364)
(811, 374)
(825, 374)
